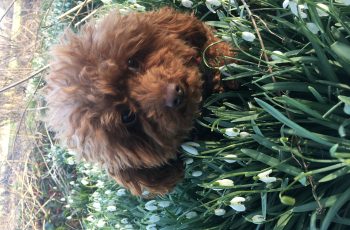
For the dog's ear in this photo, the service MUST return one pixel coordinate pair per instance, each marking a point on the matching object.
(184, 25)
(158, 180)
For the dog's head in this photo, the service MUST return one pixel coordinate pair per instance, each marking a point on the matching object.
(124, 92)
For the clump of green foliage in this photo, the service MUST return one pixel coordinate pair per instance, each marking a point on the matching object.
(280, 154)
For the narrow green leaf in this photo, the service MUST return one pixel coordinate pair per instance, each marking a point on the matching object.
(271, 161)
(296, 104)
(335, 175)
(316, 94)
(297, 128)
(341, 200)
(283, 220)
(325, 202)
(342, 50)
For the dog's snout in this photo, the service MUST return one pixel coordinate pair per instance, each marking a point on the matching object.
(174, 95)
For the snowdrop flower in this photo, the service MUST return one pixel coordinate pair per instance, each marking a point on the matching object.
(69, 217)
(150, 205)
(230, 158)
(90, 218)
(106, 1)
(276, 55)
(164, 204)
(111, 208)
(224, 182)
(54, 187)
(197, 173)
(84, 181)
(264, 177)
(236, 204)
(187, 3)
(63, 199)
(219, 212)
(100, 184)
(145, 193)
(124, 221)
(211, 3)
(258, 219)
(232, 132)
(322, 9)
(132, 1)
(97, 206)
(154, 219)
(151, 227)
(214, 2)
(295, 8)
(189, 149)
(107, 192)
(312, 27)
(191, 215)
(95, 194)
(129, 226)
(244, 134)
(345, 2)
(139, 7)
(248, 36)
(67, 206)
(101, 223)
(189, 161)
(347, 109)
(70, 161)
(121, 192)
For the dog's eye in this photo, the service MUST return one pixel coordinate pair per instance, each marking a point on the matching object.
(133, 65)
(128, 117)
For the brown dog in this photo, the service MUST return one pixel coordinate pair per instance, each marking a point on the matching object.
(124, 92)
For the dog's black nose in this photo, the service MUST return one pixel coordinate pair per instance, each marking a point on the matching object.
(174, 95)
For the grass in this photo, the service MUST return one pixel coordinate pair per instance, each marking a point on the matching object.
(289, 118)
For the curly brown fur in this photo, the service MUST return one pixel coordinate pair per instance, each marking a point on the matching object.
(124, 93)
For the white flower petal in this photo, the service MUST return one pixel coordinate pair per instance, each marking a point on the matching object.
(345, 2)
(238, 207)
(154, 219)
(189, 149)
(258, 219)
(248, 36)
(214, 2)
(285, 4)
(124, 221)
(219, 212)
(276, 55)
(347, 109)
(265, 174)
(312, 27)
(111, 208)
(187, 3)
(225, 182)
(191, 215)
(197, 173)
(151, 207)
(237, 200)
(121, 192)
(322, 9)
(164, 204)
(232, 132)
(268, 179)
(189, 161)
(230, 158)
